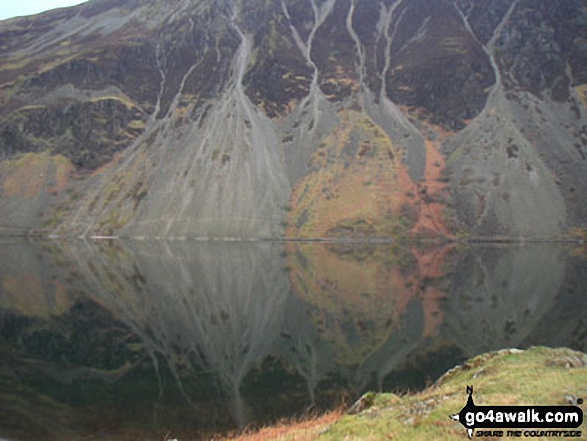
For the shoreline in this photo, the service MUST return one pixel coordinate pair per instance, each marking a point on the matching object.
(535, 376)
(344, 240)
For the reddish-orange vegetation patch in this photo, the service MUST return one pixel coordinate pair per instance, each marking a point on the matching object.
(367, 290)
(582, 93)
(342, 79)
(104, 168)
(355, 190)
(361, 187)
(22, 285)
(62, 300)
(305, 430)
(363, 292)
(26, 294)
(434, 194)
(29, 176)
(63, 173)
(431, 265)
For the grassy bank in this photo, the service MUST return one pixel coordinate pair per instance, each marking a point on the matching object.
(538, 376)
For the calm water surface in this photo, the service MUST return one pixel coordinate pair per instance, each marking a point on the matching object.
(133, 339)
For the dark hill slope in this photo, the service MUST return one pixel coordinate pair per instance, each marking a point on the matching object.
(306, 118)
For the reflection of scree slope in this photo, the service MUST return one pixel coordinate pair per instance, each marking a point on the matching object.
(356, 316)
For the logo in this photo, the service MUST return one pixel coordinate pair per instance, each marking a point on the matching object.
(474, 417)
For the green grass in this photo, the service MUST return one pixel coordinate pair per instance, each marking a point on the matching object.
(538, 376)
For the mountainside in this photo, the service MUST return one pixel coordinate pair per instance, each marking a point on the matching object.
(298, 118)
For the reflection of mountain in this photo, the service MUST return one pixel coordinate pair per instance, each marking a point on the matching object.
(501, 295)
(198, 336)
(27, 284)
(367, 305)
(216, 307)
(563, 321)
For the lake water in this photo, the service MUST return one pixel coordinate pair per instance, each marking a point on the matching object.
(134, 339)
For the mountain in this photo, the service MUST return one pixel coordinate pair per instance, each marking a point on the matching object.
(298, 118)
